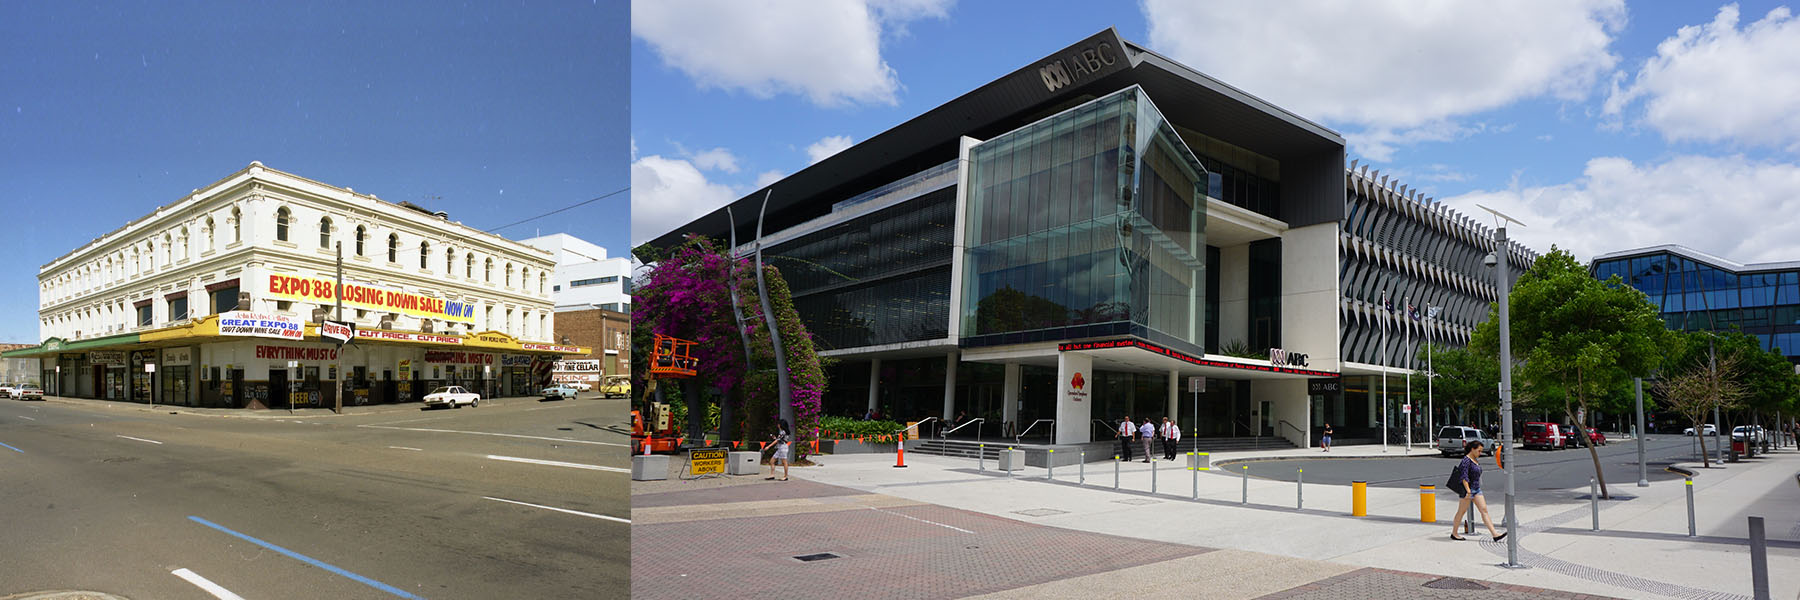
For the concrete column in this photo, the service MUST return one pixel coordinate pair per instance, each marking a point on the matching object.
(949, 387)
(874, 383)
(1174, 408)
(1074, 406)
(1009, 397)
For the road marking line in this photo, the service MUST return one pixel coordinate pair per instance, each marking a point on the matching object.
(558, 463)
(309, 560)
(562, 510)
(26, 418)
(141, 439)
(13, 449)
(921, 520)
(203, 583)
(511, 435)
(405, 448)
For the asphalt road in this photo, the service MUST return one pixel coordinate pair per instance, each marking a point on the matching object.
(1543, 475)
(387, 502)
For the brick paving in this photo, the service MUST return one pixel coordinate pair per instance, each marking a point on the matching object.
(903, 552)
(1382, 584)
(742, 492)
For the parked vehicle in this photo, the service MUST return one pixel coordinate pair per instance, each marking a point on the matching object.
(1753, 433)
(6, 389)
(559, 392)
(453, 396)
(1595, 437)
(580, 386)
(1452, 439)
(616, 386)
(1549, 436)
(28, 392)
(1708, 428)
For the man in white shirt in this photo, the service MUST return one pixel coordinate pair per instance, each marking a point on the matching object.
(1147, 432)
(1171, 438)
(1126, 430)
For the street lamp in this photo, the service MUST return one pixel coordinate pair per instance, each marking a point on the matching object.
(1497, 259)
(1388, 311)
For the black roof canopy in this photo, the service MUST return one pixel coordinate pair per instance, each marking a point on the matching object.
(1101, 64)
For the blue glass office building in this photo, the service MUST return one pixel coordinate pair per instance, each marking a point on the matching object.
(1700, 292)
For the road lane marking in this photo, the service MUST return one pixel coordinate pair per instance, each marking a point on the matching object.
(308, 560)
(561, 510)
(511, 435)
(558, 463)
(216, 590)
(13, 449)
(406, 448)
(141, 439)
(920, 520)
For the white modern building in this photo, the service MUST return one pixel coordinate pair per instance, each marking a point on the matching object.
(216, 299)
(584, 276)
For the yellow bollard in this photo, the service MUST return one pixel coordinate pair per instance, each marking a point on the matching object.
(1359, 498)
(1427, 504)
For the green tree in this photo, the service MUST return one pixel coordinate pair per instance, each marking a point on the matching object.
(1577, 341)
(1699, 379)
(1768, 381)
(1466, 379)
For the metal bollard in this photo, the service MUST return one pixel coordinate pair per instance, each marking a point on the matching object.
(1594, 501)
(1427, 504)
(1115, 472)
(1246, 499)
(1690, 495)
(1196, 473)
(1009, 457)
(1359, 498)
(1050, 463)
(1759, 560)
(981, 459)
(1299, 489)
(1081, 469)
(1153, 477)
(1469, 519)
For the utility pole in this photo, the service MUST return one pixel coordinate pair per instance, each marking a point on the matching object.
(1506, 388)
(337, 294)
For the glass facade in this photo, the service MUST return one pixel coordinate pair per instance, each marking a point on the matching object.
(1696, 296)
(1087, 223)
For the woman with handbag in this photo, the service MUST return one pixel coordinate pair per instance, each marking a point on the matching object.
(1465, 480)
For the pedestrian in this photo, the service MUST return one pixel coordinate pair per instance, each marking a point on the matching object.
(1126, 430)
(1467, 476)
(783, 439)
(1171, 438)
(1325, 439)
(1146, 432)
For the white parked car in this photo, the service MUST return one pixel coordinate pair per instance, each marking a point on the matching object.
(27, 392)
(1709, 428)
(6, 389)
(453, 396)
(1754, 433)
(581, 386)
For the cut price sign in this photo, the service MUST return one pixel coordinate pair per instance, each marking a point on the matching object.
(300, 289)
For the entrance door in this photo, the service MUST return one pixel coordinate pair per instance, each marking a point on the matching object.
(278, 388)
(235, 398)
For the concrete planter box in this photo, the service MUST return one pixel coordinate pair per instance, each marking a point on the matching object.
(856, 447)
(1012, 460)
(649, 467)
(743, 463)
(1064, 456)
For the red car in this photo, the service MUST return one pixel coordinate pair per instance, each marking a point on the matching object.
(1595, 437)
(1546, 435)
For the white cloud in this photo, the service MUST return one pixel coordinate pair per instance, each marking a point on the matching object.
(765, 178)
(667, 193)
(1717, 82)
(829, 52)
(1402, 70)
(827, 146)
(1719, 205)
(716, 159)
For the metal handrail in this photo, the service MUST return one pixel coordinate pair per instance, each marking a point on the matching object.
(1028, 429)
(1109, 427)
(944, 434)
(927, 420)
(1291, 426)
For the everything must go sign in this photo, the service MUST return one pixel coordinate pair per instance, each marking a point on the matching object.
(251, 324)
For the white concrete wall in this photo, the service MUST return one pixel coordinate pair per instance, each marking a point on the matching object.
(1309, 294)
(1074, 407)
(1287, 400)
(1234, 294)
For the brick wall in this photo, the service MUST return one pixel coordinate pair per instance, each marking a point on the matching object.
(601, 330)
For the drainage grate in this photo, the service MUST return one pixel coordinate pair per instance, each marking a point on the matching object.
(1455, 583)
(818, 557)
(1040, 512)
(1137, 501)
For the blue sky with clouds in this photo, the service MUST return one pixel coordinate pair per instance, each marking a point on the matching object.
(490, 112)
(1603, 125)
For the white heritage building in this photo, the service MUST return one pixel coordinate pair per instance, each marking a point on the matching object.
(216, 300)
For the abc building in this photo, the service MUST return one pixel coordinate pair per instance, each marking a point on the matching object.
(1079, 240)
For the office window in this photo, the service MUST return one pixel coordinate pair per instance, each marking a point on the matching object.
(594, 281)
(281, 224)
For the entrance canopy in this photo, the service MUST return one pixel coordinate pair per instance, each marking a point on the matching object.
(1137, 356)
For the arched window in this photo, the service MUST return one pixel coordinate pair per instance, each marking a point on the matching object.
(449, 261)
(542, 279)
(393, 247)
(524, 278)
(361, 232)
(469, 266)
(487, 271)
(281, 224)
(237, 226)
(187, 249)
(325, 232)
(508, 274)
(209, 235)
(149, 256)
(424, 254)
(168, 250)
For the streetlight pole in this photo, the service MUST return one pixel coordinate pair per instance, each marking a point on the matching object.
(1387, 311)
(1407, 414)
(1637, 385)
(1430, 374)
(1499, 258)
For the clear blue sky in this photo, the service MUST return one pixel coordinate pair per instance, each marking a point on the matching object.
(1602, 124)
(108, 110)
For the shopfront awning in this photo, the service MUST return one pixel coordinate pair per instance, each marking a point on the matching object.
(206, 330)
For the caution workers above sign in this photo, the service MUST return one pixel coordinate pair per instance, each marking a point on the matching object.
(706, 461)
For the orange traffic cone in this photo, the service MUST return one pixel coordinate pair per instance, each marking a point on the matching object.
(900, 460)
(646, 447)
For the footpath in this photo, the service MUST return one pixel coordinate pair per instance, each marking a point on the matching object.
(245, 413)
(1641, 551)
